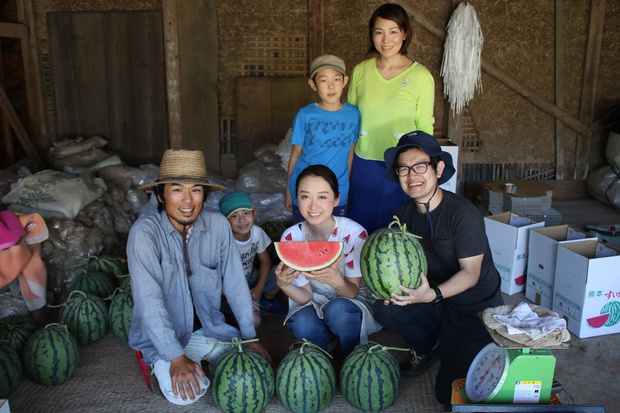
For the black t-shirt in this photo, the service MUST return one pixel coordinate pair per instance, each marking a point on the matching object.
(459, 232)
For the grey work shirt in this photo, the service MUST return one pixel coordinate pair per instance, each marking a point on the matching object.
(163, 315)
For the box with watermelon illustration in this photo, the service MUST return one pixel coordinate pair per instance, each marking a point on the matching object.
(587, 287)
(508, 235)
(543, 248)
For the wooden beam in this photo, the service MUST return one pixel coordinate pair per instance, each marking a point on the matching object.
(588, 84)
(316, 29)
(21, 133)
(559, 87)
(33, 75)
(13, 30)
(173, 73)
(505, 78)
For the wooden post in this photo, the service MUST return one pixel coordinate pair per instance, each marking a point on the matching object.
(22, 135)
(316, 29)
(173, 73)
(559, 87)
(588, 85)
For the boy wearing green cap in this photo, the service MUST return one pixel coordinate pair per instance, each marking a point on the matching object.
(252, 241)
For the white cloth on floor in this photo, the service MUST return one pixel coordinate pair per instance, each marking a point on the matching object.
(522, 320)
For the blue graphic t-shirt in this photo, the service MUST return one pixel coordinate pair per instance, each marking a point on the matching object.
(325, 138)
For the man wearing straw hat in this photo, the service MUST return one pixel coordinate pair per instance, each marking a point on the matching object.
(181, 259)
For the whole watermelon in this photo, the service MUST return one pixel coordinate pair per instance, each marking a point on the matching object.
(243, 380)
(305, 379)
(94, 282)
(86, 317)
(10, 370)
(51, 355)
(392, 257)
(16, 329)
(113, 267)
(120, 313)
(369, 378)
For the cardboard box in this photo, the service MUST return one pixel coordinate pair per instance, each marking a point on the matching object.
(543, 249)
(453, 149)
(508, 235)
(4, 406)
(587, 287)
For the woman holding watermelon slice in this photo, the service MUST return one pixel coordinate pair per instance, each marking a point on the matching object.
(327, 304)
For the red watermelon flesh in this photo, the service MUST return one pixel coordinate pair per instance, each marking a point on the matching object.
(598, 321)
(308, 255)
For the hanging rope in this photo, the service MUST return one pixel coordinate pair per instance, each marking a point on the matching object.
(460, 67)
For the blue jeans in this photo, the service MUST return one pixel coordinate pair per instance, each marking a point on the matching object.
(341, 317)
(461, 336)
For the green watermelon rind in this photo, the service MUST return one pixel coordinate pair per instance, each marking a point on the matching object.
(370, 378)
(243, 381)
(11, 370)
(120, 314)
(305, 380)
(391, 258)
(86, 317)
(51, 355)
(16, 329)
(306, 256)
(94, 282)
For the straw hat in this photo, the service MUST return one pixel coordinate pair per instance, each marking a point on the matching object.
(182, 165)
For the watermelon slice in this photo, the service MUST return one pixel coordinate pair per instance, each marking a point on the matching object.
(598, 321)
(308, 255)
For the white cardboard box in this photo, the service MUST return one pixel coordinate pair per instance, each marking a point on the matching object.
(4, 406)
(453, 149)
(508, 235)
(543, 249)
(587, 287)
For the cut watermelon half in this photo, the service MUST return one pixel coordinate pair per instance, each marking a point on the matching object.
(308, 255)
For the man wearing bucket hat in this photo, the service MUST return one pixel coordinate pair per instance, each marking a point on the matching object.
(439, 319)
(181, 259)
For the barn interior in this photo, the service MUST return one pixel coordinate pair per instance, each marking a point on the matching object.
(133, 78)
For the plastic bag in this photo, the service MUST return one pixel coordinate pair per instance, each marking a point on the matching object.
(604, 186)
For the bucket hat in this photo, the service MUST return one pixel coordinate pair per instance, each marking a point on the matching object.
(425, 142)
(182, 165)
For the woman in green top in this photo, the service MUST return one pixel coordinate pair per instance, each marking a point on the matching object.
(395, 95)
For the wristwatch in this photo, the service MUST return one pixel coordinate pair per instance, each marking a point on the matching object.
(439, 297)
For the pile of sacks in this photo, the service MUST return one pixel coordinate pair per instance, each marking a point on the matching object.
(604, 182)
(90, 199)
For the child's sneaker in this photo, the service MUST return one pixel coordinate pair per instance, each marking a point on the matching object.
(273, 306)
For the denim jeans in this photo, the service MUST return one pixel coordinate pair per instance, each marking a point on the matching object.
(341, 318)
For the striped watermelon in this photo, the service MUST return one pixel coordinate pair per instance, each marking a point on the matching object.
(120, 313)
(16, 329)
(305, 379)
(10, 369)
(51, 355)
(86, 317)
(125, 283)
(113, 267)
(94, 282)
(370, 377)
(243, 380)
(392, 257)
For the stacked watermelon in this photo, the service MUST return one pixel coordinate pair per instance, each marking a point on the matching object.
(392, 257)
(10, 369)
(243, 380)
(86, 317)
(113, 267)
(305, 379)
(93, 282)
(16, 330)
(51, 355)
(120, 313)
(370, 378)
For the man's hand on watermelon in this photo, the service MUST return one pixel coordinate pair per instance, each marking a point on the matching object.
(257, 346)
(183, 372)
(423, 294)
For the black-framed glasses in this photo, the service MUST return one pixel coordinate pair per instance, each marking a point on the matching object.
(419, 168)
